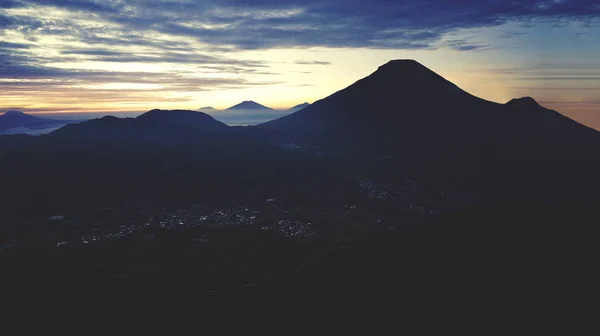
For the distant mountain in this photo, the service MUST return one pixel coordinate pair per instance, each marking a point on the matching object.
(248, 105)
(298, 107)
(208, 109)
(194, 119)
(248, 113)
(252, 106)
(405, 120)
(18, 120)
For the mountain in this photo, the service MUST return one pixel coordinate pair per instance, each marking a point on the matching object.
(175, 157)
(406, 121)
(297, 107)
(403, 132)
(248, 105)
(252, 106)
(16, 119)
(207, 109)
(194, 119)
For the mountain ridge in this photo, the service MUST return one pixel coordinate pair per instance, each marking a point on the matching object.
(196, 119)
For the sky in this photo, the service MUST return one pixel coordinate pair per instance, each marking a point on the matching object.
(74, 56)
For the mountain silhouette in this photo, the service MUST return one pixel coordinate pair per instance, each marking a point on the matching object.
(428, 128)
(14, 119)
(403, 122)
(208, 109)
(194, 119)
(398, 90)
(148, 129)
(524, 102)
(14, 113)
(248, 105)
(297, 107)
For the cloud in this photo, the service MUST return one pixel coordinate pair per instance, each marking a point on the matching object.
(266, 24)
(510, 34)
(104, 55)
(312, 63)
(561, 78)
(23, 80)
(559, 89)
(10, 45)
(76, 5)
(378, 24)
(465, 45)
(92, 52)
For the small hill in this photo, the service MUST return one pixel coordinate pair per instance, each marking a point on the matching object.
(194, 119)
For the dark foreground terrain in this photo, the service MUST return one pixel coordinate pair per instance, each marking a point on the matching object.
(502, 265)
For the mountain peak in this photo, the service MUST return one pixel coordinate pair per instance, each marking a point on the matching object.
(402, 65)
(108, 117)
(410, 70)
(298, 107)
(523, 101)
(249, 105)
(14, 113)
(398, 90)
(400, 62)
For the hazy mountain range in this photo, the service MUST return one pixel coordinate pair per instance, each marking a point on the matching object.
(17, 122)
(242, 114)
(249, 113)
(249, 105)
